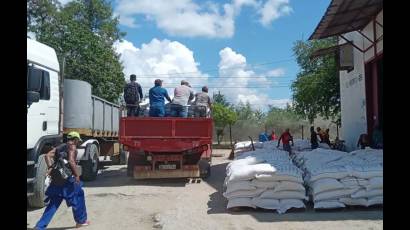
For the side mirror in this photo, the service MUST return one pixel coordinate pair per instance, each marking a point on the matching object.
(34, 79)
(32, 97)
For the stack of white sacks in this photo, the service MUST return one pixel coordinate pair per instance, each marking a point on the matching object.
(336, 179)
(264, 178)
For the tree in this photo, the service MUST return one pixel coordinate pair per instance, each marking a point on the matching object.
(220, 99)
(316, 91)
(82, 33)
(223, 116)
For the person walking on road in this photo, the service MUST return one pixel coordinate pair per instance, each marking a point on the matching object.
(156, 99)
(132, 96)
(183, 94)
(64, 185)
(286, 138)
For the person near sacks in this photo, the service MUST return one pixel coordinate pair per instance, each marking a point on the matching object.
(286, 138)
(321, 134)
(157, 96)
(273, 136)
(136, 95)
(183, 94)
(202, 103)
(313, 138)
(69, 189)
(363, 141)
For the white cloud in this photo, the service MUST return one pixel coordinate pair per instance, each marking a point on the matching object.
(281, 103)
(160, 58)
(240, 84)
(180, 17)
(193, 19)
(276, 72)
(273, 9)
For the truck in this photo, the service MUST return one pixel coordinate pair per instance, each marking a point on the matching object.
(56, 107)
(167, 147)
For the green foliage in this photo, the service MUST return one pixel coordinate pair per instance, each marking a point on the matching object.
(222, 116)
(316, 91)
(220, 99)
(82, 33)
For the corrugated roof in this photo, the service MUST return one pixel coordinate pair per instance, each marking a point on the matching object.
(343, 16)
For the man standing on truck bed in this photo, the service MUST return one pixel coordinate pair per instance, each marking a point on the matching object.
(156, 99)
(132, 96)
(70, 188)
(202, 103)
(182, 95)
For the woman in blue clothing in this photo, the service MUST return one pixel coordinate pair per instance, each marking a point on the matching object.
(69, 189)
(156, 99)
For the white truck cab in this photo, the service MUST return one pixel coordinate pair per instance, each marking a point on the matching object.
(43, 115)
(46, 125)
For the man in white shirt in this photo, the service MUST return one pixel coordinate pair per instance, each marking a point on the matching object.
(182, 95)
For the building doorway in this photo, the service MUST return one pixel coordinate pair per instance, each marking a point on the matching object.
(374, 93)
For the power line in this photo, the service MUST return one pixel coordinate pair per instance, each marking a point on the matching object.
(219, 69)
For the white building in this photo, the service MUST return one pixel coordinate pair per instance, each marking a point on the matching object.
(359, 27)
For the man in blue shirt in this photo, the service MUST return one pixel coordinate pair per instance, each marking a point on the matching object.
(156, 99)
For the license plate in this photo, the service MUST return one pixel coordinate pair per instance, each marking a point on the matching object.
(167, 166)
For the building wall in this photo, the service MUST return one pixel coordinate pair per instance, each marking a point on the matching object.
(352, 86)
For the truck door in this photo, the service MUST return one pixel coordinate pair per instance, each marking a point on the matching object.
(42, 117)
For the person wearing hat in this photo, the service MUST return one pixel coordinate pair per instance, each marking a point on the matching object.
(132, 96)
(183, 94)
(157, 96)
(70, 189)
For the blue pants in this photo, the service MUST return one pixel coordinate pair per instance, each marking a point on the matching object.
(157, 111)
(179, 111)
(76, 201)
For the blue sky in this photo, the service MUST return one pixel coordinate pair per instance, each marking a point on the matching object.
(242, 48)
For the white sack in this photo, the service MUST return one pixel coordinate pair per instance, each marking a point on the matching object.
(240, 202)
(328, 204)
(289, 186)
(270, 194)
(326, 184)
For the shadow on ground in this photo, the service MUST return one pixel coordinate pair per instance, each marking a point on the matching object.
(117, 176)
(217, 205)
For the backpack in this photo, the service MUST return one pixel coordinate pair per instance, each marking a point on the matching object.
(60, 170)
(131, 95)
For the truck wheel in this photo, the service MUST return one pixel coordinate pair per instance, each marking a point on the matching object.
(40, 185)
(90, 166)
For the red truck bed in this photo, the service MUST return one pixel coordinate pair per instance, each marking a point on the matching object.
(178, 144)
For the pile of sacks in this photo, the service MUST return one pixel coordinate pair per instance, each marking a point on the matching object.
(299, 145)
(264, 178)
(336, 179)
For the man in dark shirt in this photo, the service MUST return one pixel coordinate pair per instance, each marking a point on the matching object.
(313, 138)
(132, 96)
(71, 190)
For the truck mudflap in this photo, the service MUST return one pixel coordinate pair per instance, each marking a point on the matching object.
(146, 172)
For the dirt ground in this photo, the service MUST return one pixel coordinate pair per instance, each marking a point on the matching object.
(115, 201)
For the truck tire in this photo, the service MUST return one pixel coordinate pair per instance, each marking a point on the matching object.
(40, 185)
(90, 166)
